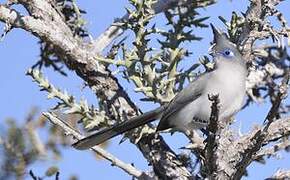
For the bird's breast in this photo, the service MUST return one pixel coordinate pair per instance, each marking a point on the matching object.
(229, 84)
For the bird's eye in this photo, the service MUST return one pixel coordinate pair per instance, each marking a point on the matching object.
(228, 53)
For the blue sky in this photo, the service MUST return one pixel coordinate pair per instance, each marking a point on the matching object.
(19, 51)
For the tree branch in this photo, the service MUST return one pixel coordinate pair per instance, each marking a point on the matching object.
(103, 153)
(211, 163)
(259, 137)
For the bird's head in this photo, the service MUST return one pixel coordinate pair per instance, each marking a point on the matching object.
(223, 48)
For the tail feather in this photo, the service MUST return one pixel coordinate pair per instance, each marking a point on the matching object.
(104, 135)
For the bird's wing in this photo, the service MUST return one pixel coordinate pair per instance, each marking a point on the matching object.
(188, 94)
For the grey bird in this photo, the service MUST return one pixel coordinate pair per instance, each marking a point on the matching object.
(191, 108)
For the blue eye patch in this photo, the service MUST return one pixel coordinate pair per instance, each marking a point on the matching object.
(227, 53)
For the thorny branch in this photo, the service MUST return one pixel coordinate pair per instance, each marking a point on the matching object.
(115, 30)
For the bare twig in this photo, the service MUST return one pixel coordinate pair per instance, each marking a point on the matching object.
(278, 129)
(57, 175)
(272, 151)
(106, 155)
(280, 174)
(196, 142)
(282, 92)
(32, 175)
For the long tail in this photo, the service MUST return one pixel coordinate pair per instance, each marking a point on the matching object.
(104, 135)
